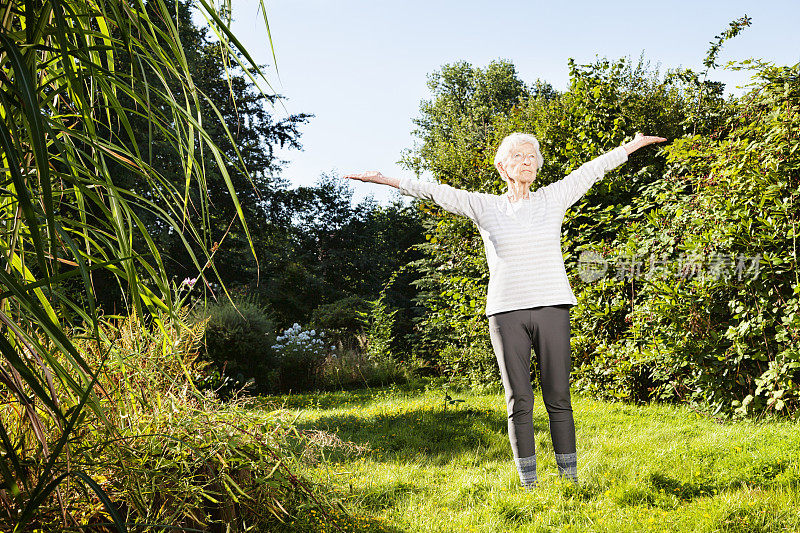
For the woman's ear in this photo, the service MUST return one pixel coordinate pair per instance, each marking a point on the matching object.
(502, 171)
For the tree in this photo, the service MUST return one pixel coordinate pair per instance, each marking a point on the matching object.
(238, 120)
(456, 129)
(337, 250)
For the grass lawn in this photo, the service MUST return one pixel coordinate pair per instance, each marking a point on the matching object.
(414, 466)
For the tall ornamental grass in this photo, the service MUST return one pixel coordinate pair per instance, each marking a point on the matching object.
(65, 223)
(165, 454)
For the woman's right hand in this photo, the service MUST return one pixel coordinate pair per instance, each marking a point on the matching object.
(373, 176)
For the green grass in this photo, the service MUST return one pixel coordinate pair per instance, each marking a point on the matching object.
(646, 468)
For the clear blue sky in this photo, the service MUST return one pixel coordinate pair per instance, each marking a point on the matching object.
(361, 66)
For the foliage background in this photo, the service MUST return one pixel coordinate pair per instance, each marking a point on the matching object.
(721, 190)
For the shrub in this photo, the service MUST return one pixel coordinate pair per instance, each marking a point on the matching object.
(343, 322)
(723, 197)
(164, 455)
(238, 341)
(716, 326)
(367, 358)
(299, 354)
(350, 369)
(380, 323)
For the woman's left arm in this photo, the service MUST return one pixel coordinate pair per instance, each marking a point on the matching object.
(571, 188)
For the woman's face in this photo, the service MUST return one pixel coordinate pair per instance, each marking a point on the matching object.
(521, 164)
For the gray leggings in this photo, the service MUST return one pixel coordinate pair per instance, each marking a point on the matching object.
(547, 329)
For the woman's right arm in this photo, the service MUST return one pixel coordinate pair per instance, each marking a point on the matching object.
(458, 201)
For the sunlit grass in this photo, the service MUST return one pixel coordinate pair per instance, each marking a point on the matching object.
(649, 468)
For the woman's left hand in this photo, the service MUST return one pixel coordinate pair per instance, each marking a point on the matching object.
(641, 140)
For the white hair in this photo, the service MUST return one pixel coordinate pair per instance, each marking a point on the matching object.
(514, 140)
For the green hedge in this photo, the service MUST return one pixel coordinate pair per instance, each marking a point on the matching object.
(723, 190)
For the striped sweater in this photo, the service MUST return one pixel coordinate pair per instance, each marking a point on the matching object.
(522, 239)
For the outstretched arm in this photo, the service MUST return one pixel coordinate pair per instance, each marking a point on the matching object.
(374, 176)
(458, 201)
(640, 141)
(571, 188)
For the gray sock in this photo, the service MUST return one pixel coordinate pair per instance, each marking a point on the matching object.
(568, 465)
(526, 466)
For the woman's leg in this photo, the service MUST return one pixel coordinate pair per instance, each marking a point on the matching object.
(551, 345)
(510, 333)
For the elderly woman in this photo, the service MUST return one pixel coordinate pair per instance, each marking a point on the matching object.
(529, 295)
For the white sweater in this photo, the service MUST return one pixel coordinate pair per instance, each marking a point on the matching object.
(522, 239)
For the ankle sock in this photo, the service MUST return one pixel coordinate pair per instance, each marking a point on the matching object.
(526, 466)
(567, 465)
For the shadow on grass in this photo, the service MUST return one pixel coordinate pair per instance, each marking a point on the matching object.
(681, 489)
(432, 434)
(338, 522)
(331, 399)
(764, 476)
(371, 500)
(317, 400)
